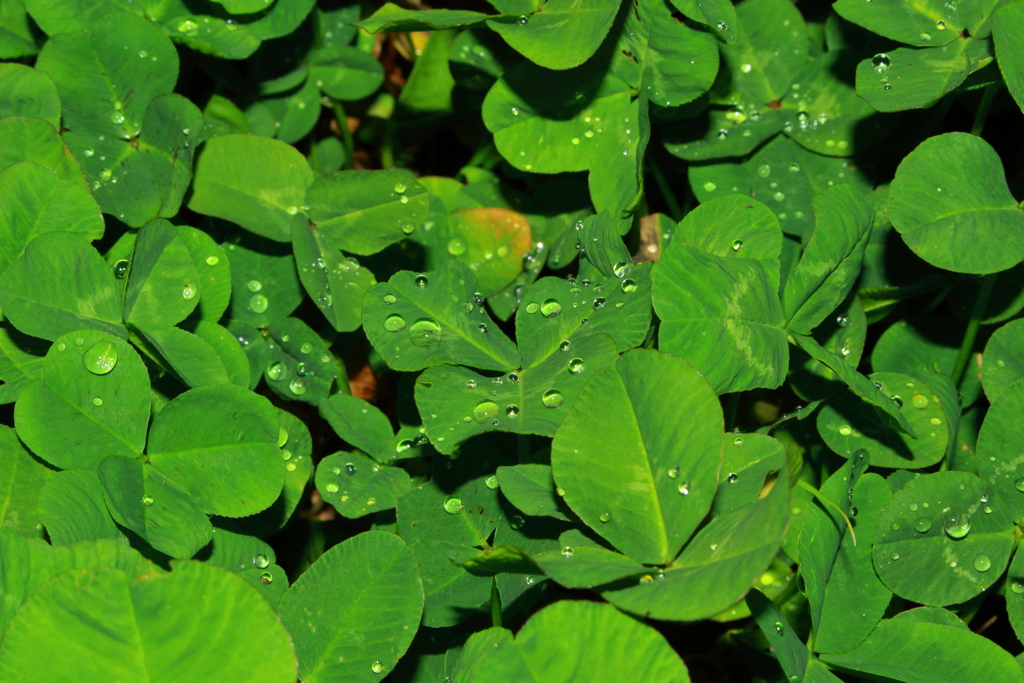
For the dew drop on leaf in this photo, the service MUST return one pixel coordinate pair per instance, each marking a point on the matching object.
(100, 358)
(923, 524)
(484, 411)
(377, 667)
(259, 303)
(297, 386)
(491, 481)
(394, 323)
(147, 500)
(982, 563)
(277, 371)
(550, 308)
(552, 398)
(421, 281)
(120, 268)
(424, 333)
(956, 523)
(881, 62)
(605, 517)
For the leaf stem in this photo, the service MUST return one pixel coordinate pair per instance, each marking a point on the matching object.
(817, 494)
(346, 135)
(674, 209)
(987, 284)
(983, 108)
(495, 603)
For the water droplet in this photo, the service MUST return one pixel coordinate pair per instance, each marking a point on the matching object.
(737, 245)
(895, 556)
(626, 286)
(258, 303)
(287, 455)
(424, 333)
(290, 467)
(684, 488)
(710, 186)
(377, 667)
(523, 19)
(1017, 587)
(453, 505)
(306, 347)
(881, 62)
(394, 323)
(484, 411)
(923, 524)
(926, 37)
(482, 327)
(101, 358)
(550, 308)
(552, 398)
(941, 25)
(898, 401)
(764, 170)
(956, 523)
(491, 481)
(895, 526)
(331, 488)
(88, 152)
(147, 500)
(97, 401)
(297, 386)
(779, 628)
(117, 117)
(605, 517)
(212, 260)
(576, 366)
(622, 268)
(845, 430)
(778, 196)
(516, 522)
(737, 441)
(189, 291)
(512, 410)
(842, 321)
(261, 561)
(564, 346)
(732, 478)
(120, 268)
(277, 371)
(982, 563)
(421, 280)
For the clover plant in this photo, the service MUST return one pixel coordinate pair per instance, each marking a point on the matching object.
(516, 341)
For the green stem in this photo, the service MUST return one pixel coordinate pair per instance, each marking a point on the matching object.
(387, 147)
(674, 209)
(817, 494)
(346, 136)
(983, 107)
(987, 284)
(495, 604)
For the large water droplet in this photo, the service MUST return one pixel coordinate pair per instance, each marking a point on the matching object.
(389, 299)
(400, 187)
(254, 285)
(120, 268)
(923, 524)
(982, 563)
(491, 481)
(1017, 587)
(421, 281)
(628, 285)
(453, 505)
(512, 410)
(97, 401)
(394, 323)
(261, 561)
(277, 370)
(553, 398)
(956, 523)
(622, 268)
(147, 500)
(576, 366)
(764, 170)
(484, 411)
(188, 292)
(100, 358)
(297, 386)
(306, 347)
(377, 667)
(1019, 484)
(550, 308)
(258, 303)
(425, 333)
(881, 62)
(605, 517)
(456, 247)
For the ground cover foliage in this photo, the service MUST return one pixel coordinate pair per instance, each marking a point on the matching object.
(530, 340)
